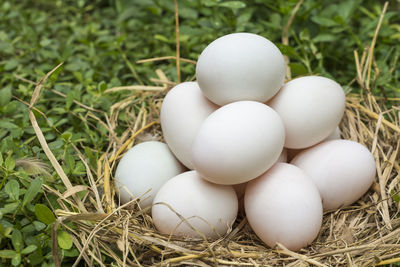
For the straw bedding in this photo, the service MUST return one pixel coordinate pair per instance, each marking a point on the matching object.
(365, 233)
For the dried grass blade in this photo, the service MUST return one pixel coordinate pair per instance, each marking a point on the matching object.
(376, 117)
(147, 60)
(42, 139)
(107, 186)
(74, 190)
(178, 51)
(389, 261)
(285, 37)
(125, 145)
(371, 49)
(295, 255)
(134, 88)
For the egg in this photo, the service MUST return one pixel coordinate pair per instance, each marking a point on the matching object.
(206, 208)
(238, 142)
(240, 66)
(143, 170)
(182, 112)
(343, 170)
(283, 206)
(311, 108)
(241, 188)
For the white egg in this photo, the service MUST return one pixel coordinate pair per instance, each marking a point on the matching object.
(208, 208)
(240, 188)
(238, 142)
(311, 108)
(240, 66)
(145, 167)
(183, 111)
(283, 206)
(343, 170)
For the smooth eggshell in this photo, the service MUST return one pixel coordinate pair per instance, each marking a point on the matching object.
(311, 108)
(210, 208)
(182, 112)
(240, 66)
(283, 206)
(145, 167)
(238, 142)
(343, 170)
(240, 188)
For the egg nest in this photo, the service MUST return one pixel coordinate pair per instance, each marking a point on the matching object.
(364, 234)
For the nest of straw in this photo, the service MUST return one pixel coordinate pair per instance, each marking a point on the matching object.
(363, 234)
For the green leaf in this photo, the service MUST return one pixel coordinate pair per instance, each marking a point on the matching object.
(102, 86)
(324, 21)
(66, 136)
(233, 4)
(69, 100)
(29, 249)
(64, 240)
(35, 258)
(9, 254)
(70, 161)
(188, 13)
(5, 96)
(161, 38)
(32, 191)
(1, 230)
(8, 231)
(395, 196)
(56, 73)
(10, 163)
(39, 225)
(16, 260)
(30, 228)
(56, 144)
(44, 214)
(71, 253)
(11, 64)
(12, 189)
(298, 69)
(9, 208)
(324, 37)
(209, 3)
(8, 125)
(16, 239)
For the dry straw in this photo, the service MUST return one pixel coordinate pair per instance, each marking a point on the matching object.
(364, 234)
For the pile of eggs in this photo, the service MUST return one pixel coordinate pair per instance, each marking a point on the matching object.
(229, 138)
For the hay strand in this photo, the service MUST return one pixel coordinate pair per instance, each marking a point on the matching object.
(178, 49)
(147, 60)
(285, 37)
(42, 139)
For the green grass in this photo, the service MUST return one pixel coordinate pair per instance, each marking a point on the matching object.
(100, 42)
